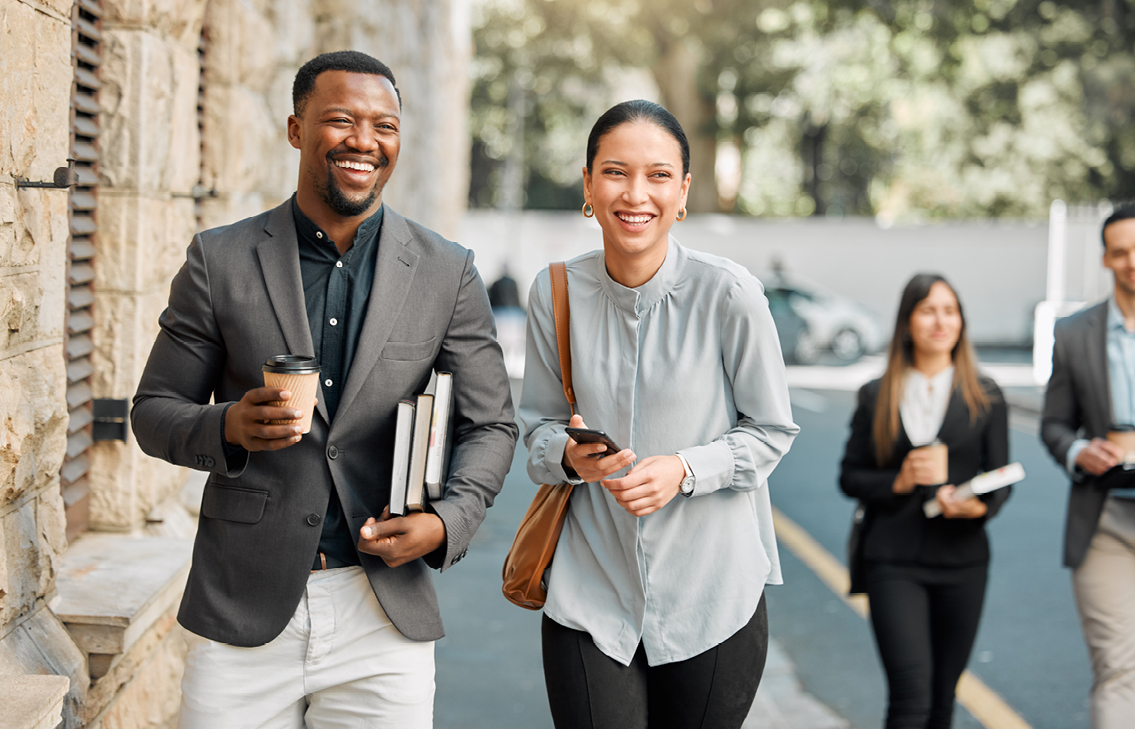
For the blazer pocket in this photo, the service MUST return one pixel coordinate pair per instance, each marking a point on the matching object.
(409, 351)
(233, 503)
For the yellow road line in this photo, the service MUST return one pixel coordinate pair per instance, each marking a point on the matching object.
(981, 701)
(829, 569)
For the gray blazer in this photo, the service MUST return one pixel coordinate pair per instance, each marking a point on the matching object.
(1077, 404)
(238, 300)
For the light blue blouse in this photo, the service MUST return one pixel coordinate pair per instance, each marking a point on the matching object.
(688, 362)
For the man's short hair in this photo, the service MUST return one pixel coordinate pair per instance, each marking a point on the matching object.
(351, 61)
(1123, 212)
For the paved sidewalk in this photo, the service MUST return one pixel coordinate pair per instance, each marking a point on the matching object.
(782, 703)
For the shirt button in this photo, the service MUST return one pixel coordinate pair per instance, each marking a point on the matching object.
(319, 234)
(327, 382)
(334, 322)
(313, 519)
(332, 452)
(338, 264)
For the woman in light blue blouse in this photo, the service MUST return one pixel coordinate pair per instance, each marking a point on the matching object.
(655, 614)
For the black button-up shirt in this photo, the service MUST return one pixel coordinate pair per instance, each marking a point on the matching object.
(336, 289)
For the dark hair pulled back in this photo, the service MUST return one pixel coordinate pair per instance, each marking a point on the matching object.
(633, 111)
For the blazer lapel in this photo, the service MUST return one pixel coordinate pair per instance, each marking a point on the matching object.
(1095, 359)
(394, 270)
(957, 413)
(280, 263)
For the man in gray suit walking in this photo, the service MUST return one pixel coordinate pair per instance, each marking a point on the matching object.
(1092, 393)
(307, 604)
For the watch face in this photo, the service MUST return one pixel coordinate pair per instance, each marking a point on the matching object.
(688, 485)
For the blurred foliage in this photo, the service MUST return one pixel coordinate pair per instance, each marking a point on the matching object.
(899, 108)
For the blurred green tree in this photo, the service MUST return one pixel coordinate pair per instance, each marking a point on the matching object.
(545, 69)
(902, 109)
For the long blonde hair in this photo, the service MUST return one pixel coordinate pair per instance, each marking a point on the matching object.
(900, 358)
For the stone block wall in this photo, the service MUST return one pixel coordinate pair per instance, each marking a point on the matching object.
(35, 87)
(149, 153)
(253, 51)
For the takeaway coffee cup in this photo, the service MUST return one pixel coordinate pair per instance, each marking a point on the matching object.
(1124, 437)
(940, 459)
(299, 375)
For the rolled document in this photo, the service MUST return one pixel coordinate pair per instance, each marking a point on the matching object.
(980, 484)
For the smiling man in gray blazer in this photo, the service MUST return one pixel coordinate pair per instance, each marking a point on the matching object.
(1092, 392)
(307, 605)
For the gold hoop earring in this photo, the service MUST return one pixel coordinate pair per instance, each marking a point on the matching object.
(588, 211)
(681, 215)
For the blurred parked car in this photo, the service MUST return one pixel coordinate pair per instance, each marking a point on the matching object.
(833, 322)
(796, 343)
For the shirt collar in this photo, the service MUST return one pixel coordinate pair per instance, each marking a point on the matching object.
(306, 228)
(639, 300)
(943, 378)
(1115, 318)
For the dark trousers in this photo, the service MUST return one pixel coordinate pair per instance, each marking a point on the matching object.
(925, 621)
(712, 690)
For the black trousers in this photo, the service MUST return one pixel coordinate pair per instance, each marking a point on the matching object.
(925, 621)
(712, 690)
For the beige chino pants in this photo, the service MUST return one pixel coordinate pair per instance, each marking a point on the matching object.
(340, 662)
(1104, 587)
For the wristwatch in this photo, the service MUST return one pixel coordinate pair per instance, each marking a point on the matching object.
(688, 483)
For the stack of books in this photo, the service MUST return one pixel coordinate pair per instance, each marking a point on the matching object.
(422, 441)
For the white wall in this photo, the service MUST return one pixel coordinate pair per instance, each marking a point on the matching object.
(997, 267)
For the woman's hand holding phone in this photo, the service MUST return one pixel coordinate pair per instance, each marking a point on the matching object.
(580, 457)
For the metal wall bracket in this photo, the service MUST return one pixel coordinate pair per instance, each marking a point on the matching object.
(196, 193)
(64, 177)
(110, 419)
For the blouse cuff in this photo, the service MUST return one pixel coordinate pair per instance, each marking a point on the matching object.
(713, 465)
(554, 459)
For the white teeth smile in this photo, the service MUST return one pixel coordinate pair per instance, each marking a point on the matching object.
(635, 219)
(360, 166)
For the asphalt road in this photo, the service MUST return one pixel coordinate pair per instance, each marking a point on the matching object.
(489, 674)
(1029, 649)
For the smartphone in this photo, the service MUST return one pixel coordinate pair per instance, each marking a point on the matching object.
(586, 435)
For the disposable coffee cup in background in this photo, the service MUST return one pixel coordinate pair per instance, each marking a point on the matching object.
(299, 375)
(1124, 437)
(940, 458)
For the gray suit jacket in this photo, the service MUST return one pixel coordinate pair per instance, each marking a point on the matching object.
(238, 300)
(1077, 404)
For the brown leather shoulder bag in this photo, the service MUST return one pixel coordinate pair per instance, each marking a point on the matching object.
(539, 530)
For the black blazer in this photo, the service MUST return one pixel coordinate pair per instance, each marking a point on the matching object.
(898, 530)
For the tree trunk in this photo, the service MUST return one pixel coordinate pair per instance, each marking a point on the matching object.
(676, 72)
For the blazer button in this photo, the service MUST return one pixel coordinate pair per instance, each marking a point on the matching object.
(332, 452)
(313, 519)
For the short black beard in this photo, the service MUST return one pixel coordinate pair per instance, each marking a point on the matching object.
(340, 203)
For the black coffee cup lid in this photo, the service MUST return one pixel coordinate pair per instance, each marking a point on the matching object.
(291, 364)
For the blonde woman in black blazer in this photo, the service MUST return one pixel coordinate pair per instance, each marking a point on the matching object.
(925, 578)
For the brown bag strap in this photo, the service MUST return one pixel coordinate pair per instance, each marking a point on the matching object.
(562, 313)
